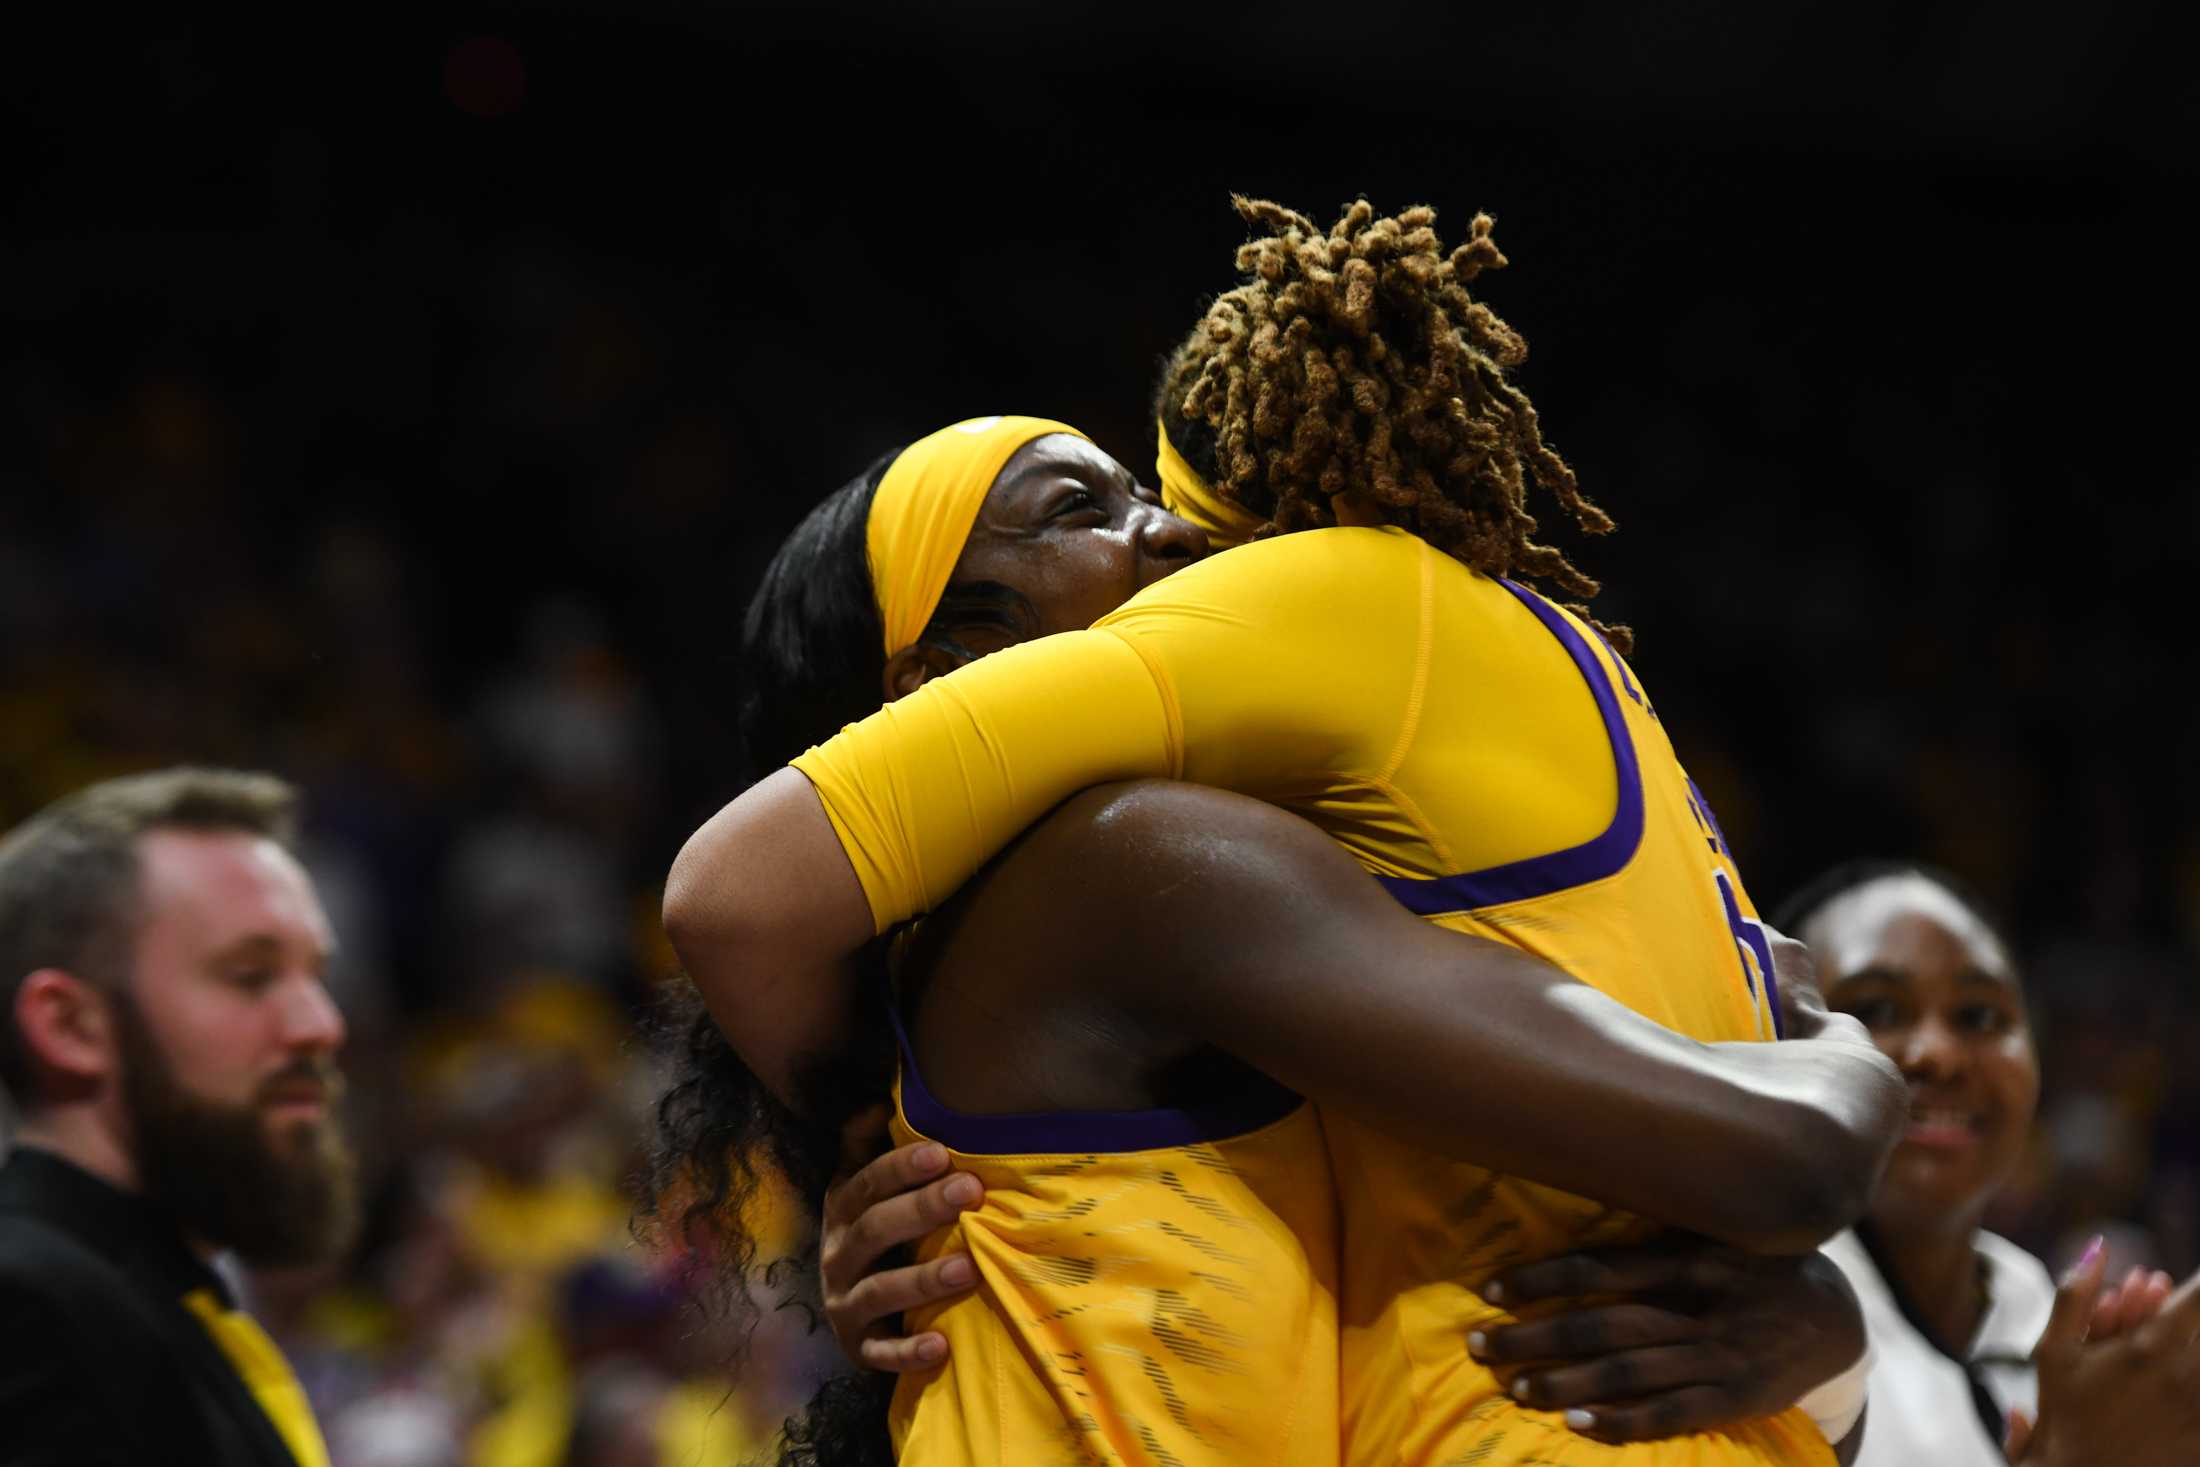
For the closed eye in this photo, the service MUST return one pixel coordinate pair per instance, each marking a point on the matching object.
(1077, 501)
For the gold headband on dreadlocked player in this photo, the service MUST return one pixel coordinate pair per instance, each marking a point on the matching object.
(1187, 494)
(1352, 364)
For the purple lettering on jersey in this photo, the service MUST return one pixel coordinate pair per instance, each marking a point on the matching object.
(1751, 942)
(1592, 860)
(1706, 819)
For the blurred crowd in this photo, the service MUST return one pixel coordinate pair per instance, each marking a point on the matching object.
(489, 849)
(444, 505)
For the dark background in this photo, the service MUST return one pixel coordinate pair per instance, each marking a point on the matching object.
(408, 404)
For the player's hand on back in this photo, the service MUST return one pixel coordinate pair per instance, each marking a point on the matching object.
(873, 1209)
(2119, 1374)
(1676, 1336)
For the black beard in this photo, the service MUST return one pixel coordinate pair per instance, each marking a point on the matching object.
(215, 1169)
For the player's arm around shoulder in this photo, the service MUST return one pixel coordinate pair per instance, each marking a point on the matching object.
(1237, 924)
(765, 911)
(1280, 653)
(1211, 919)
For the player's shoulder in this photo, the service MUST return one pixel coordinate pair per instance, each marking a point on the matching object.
(1343, 547)
(1322, 571)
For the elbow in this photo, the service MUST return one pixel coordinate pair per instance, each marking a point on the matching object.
(1833, 1134)
(708, 934)
(702, 918)
(682, 910)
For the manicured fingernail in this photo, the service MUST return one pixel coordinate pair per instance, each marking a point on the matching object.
(962, 1190)
(2085, 1259)
(1477, 1343)
(931, 1158)
(1494, 1292)
(1580, 1420)
(931, 1347)
(1521, 1387)
(956, 1272)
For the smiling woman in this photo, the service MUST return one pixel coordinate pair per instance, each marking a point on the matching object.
(1953, 1310)
(1933, 981)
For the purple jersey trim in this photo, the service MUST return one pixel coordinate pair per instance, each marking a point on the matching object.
(1593, 860)
(1060, 1132)
(1619, 665)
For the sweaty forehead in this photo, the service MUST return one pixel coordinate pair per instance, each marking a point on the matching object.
(214, 888)
(1049, 457)
(1910, 925)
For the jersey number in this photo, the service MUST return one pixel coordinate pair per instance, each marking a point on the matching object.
(1753, 948)
(1750, 943)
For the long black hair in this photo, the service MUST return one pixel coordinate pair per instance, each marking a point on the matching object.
(812, 660)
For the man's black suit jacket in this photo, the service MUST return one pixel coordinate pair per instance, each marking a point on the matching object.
(100, 1363)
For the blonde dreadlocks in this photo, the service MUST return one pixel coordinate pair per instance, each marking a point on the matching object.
(1355, 362)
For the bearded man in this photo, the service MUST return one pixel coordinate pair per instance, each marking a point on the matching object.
(170, 1049)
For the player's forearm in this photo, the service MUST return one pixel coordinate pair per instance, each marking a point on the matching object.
(1236, 925)
(1551, 1081)
(1840, 1106)
(1478, 1051)
(765, 913)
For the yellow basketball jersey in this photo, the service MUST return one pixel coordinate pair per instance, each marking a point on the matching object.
(1154, 1287)
(1651, 910)
(1479, 750)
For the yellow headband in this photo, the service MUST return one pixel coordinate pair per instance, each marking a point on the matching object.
(923, 511)
(1185, 493)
